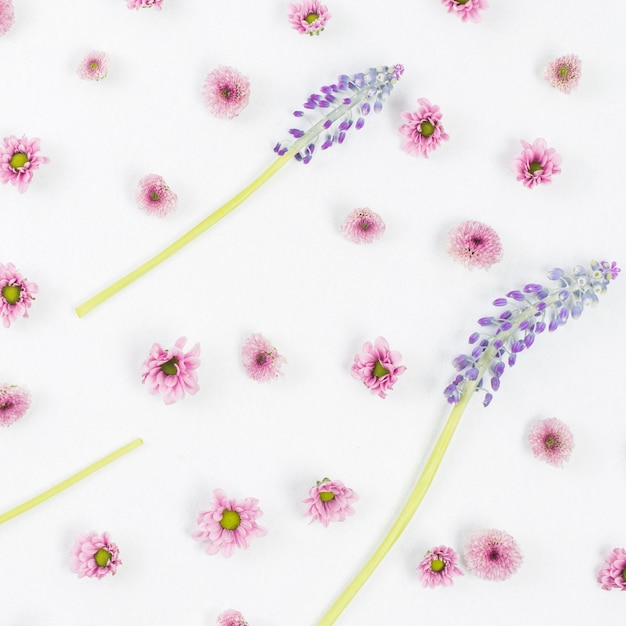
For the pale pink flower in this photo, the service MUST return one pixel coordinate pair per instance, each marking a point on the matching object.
(536, 164)
(423, 129)
(19, 158)
(6, 16)
(229, 524)
(363, 226)
(144, 4)
(330, 501)
(14, 402)
(94, 66)
(231, 618)
(614, 575)
(492, 554)
(94, 555)
(172, 372)
(16, 294)
(261, 359)
(474, 244)
(438, 567)
(226, 92)
(309, 16)
(564, 72)
(154, 196)
(377, 367)
(466, 9)
(552, 441)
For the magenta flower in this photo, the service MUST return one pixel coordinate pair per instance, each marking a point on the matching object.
(466, 9)
(144, 4)
(154, 196)
(614, 575)
(226, 92)
(438, 567)
(16, 294)
(172, 372)
(261, 359)
(474, 244)
(552, 441)
(564, 72)
(6, 16)
(377, 367)
(19, 158)
(492, 554)
(330, 501)
(423, 129)
(229, 524)
(94, 66)
(310, 16)
(363, 226)
(14, 402)
(536, 164)
(231, 618)
(94, 555)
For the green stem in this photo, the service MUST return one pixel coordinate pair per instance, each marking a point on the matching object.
(68, 482)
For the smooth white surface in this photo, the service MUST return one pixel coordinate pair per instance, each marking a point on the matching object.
(279, 265)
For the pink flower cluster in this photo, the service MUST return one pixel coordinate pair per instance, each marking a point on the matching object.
(226, 92)
(308, 17)
(330, 501)
(552, 441)
(14, 402)
(378, 367)
(19, 158)
(94, 66)
(466, 9)
(7, 16)
(363, 226)
(144, 4)
(564, 73)
(492, 554)
(613, 576)
(94, 555)
(438, 567)
(16, 294)
(261, 359)
(474, 244)
(231, 618)
(536, 164)
(154, 196)
(423, 129)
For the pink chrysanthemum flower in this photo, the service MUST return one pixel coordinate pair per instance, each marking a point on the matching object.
(226, 92)
(229, 524)
(466, 9)
(423, 129)
(144, 4)
(172, 372)
(377, 366)
(16, 294)
(363, 226)
(154, 196)
(14, 402)
(552, 441)
(6, 16)
(536, 164)
(261, 359)
(564, 72)
(94, 555)
(94, 66)
(438, 567)
(231, 618)
(19, 158)
(330, 501)
(310, 16)
(474, 244)
(614, 575)
(492, 554)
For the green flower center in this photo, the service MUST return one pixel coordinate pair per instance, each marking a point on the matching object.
(94, 65)
(310, 18)
(563, 72)
(461, 1)
(364, 225)
(426, 129)
(11, 293)
(624, 574)
(226, 93)
(155, 196)
(261, 358)
(19, 159)
(326, 496)
(169, 368)
(550, 442)
(379, 370)
(102, 557)
(230, 520)
(535, 166)
(436, 565)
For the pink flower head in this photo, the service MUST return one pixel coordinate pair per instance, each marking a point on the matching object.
(261, 359)
(466, 9)
(438, 567)
(94, 555)
(363, 226)
(552, 441)
(330, 501)
(231, 618)
(423, 129)
(154, 196)
(6, 16)
(474, 244)
(144, 4)
(16, 294)
(536, 164)
(310, 16)
(377, 366)
(614, 575)
(492, 554)
(226, 92)
(14, 402)
(229, 524)
(172, 372)
(564, 72)
(19, 158)
(94, 66)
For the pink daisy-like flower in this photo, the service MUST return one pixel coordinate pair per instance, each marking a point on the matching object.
(16, 294)
(438, 567)
(614, 575)
(94, 66)
(261, 359)
(229, 524)
(154, 196)
(172, 372)
(363, 226)
(94, 555)
(14, 402)
(310, 16)
(492, 554)
(6, 16)
(144, 4)
(226, 92)
(423, 129)
(330, 501)
(466, 9)
(474, 244)
(552, 441)
(231, 618)
(19, 158)
(564, 72)
(377, 366)
(536, 164)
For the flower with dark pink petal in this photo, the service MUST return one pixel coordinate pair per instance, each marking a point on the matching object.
(564, 73)
(231, 618)
(7, 16)
(261, 359)
(438, 567)
(536, 164)
(377, 367)
(94, 555)
(466, 9)
(552, 441)
(330, 501)
(14, 402)
(16, 294)
(613, 576)
(94, 66)
(144, 4)
(422, 129)
(474, 244)
(309, 16)
(226, 92)
(492, 554)
(19, 158)
(363, 226)
(154, 196)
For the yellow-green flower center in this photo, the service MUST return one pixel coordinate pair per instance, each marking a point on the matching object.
(230, 520)
(535, 166)
(94, 65)
(19, 159)
(563, 71)
(436, 565)
(326, 496)
(379, 370)
(461, 1)
(11, 293)
(550, 442)
(155, 196)
(226, 93)
(170, 368)
(102, 557)
(624, 574)
(426, 129)
(310, 18)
